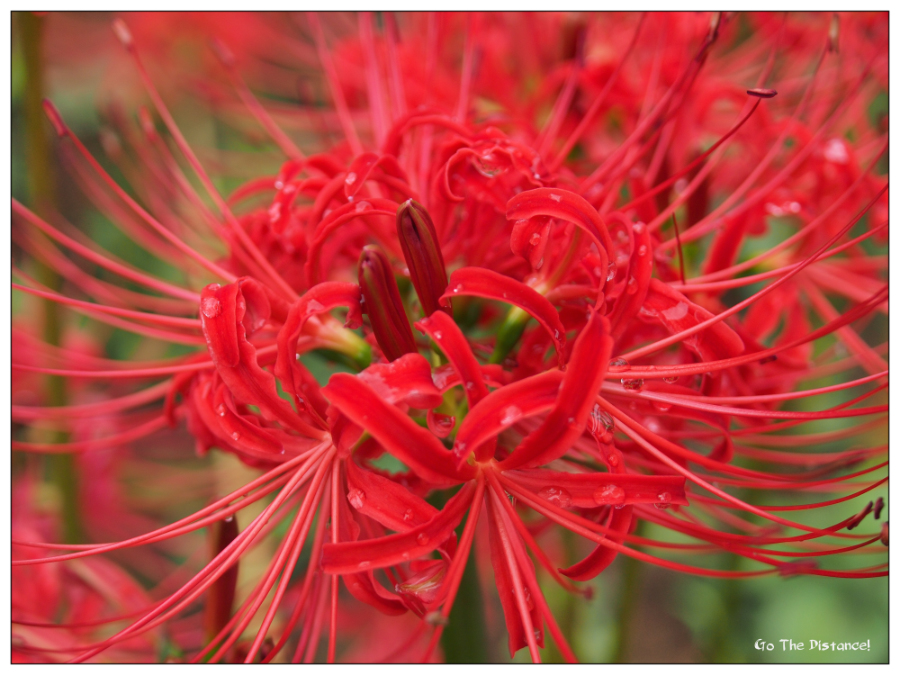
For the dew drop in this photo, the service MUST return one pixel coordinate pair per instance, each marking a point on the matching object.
(556, 198)
(356, 498)
(457, 288)
(351, 178)
(363, 564)
(642, 250)
(662, 406)
(556, 496)
(671, 380)
(611, 271)
(470, 386)
(633, 384)
(638, 228)
(362, 206)
(438, 335)
(220, 409)
(600, 419)
(422, 539)
(529, 603)
(632, 286)
(235, 435)
(510, 415)
(211, 307)
(535, 239)
(618, 362)
(665, 500)
(408, 516)
(610, 494)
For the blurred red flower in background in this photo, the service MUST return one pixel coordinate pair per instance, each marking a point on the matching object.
(513, 274)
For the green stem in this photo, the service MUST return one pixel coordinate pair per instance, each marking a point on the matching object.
(62, 471)
(464, 639)
(631, 573)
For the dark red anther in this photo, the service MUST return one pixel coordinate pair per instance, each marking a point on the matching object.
(763, 93)
(381, 302)
(879, 505)
(422, 252)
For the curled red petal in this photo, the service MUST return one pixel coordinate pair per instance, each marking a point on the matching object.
(507, 406)
(397, 433)
(564, 205)
(602, 556)
(444, 331)
(485, 283)
(224, 314)
(566, 421)
(637, 282)
(317, 300)
(358, 556)
(676, 313)
(406, 380)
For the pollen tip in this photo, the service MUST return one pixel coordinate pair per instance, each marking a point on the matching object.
(120, 28)
(762, 93)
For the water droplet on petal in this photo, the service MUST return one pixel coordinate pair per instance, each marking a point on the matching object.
(408, 516)
(422, 539)
(662, 406)
(618, 362)
(438, 335)
(632, 286)
(535, 239)
(556, 496)
(529, 603)
(556, 198)
(611, 271)
(211, 307)
(350, 179)
(671, 380)
(665, 500)
(235, 435)
(610, 494)
(510, 415)
(221, 409)
(638, 228)
(356, 498)
(362, 206)
(642, 250)
(632, 384)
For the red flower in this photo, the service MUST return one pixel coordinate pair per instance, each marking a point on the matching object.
(523, 210)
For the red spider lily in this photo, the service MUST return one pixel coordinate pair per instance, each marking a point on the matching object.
(568, 372)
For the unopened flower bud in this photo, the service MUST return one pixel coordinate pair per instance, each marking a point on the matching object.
(422, 251)
(381, 302)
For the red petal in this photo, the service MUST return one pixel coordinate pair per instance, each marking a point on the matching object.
(224, 314)
(444, 331)
(676, 313)
(602, 556)
(406, 380)
(590, 490)
(403, 438)
(484, 283)
(357, 556)
(637, 280)
(507, 406)
(385, 501)
(581, 383)
(564, 205)
(318, 299)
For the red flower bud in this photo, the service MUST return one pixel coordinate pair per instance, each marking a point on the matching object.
(381, 302)
(422, 251)
(220, 596)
